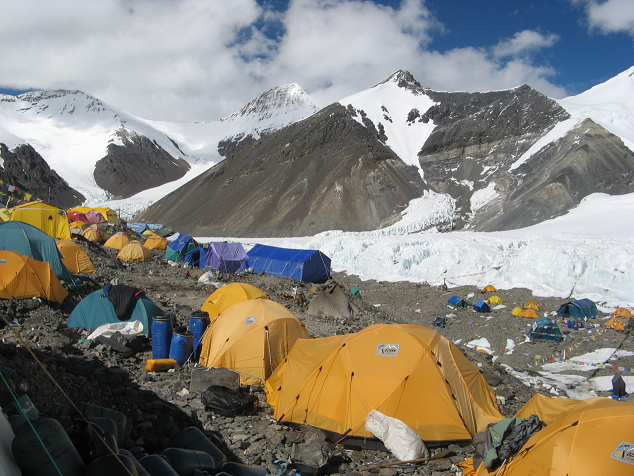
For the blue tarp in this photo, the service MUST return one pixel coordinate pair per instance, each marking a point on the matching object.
(581, 309)
(95, 310)
(311, 266)
(138, 227)
(227, 257)
(196, 257)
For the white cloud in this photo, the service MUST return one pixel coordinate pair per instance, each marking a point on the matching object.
(194, 60)
(526, 41)
(611, 16)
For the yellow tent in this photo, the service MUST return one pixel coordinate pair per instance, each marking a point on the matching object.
(531, 305)
(93, 235)
(134, 251)
(226, 296)
(623, 312)
(117, 241)
(517, 311)
(548, 409)
(404, 371)
(489, 289)
(81, 225)
(615, 323)
(51, 220)
(148, 232)
(74, 257)
(22, 277)
(529, 314)
(156, 242)
(108, 213)
(495, 300)
(252, 338)
(594, 437)
(5, 214)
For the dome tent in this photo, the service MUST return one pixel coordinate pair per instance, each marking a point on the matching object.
(228, 295)
(117, 241)
(74, 257)
(134, 251)
(155, 242)
(251, 338)
(22, 277)
(405, 371)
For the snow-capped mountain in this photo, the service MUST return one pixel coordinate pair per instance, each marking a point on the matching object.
(84, 139)
(484, 161)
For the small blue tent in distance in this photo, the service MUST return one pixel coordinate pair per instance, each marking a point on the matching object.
(481, 306)
(96, 310)
(581, 309)
(196, 257)
(544, 328)
(311, 266)
(457, 302)
(179, 247)
(227, 257)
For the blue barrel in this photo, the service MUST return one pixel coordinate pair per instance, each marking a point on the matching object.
(185, 462)
(237, 469)
(192, 438)
(140, 470)
(111, 465)
(161, 337)
(198, 322)
(181, 345)
(157, 466)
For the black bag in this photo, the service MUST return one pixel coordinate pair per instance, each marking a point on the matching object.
(227, 402)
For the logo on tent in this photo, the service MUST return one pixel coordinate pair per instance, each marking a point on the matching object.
(624, 452)
(387, 349)
(249, 321)
(3, 261)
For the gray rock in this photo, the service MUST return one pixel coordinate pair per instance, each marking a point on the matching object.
(203, 377)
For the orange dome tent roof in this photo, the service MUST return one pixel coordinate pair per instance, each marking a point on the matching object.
(74, 257)
(529, 313)
(489, 289)
(623, 312)
(117, 241)
(531, 305)
(226, 296)
(22, 277)
(134, 251)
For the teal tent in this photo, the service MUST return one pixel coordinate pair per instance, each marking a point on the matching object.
(32, 242)
(179, 247)
(581, 309)
(95, 310)
(544, 328)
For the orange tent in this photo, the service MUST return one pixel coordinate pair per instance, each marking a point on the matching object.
(93, 234)
(404, 371)
(226, 296)
(529, 314)
(594, 437)
(548, 409)
(251, 338)
(117, 241)
(615, 323)
(22, 277)
(134, 251)
(74, 257)
(623, 312)
(531, 305)
(156, 242)
(489, 289)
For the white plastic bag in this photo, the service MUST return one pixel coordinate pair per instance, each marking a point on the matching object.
(129, 329)
(400, 439)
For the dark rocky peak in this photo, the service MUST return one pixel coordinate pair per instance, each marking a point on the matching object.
(27, 170)
(405, 80)
(275, 102)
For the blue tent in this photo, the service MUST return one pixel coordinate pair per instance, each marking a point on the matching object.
(179, 247)
(227, 257)
(96, 310)
(138, 227)
(481, 306)
(310, 266)
(196, 257)
(581, 309)
(544, 328)
(457, 301)
(34, 243)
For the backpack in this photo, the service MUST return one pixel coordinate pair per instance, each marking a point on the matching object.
(227, 402)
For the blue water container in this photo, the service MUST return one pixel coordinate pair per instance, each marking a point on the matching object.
(181, 345)
(192, 438)
(198, 322)
(161, 337)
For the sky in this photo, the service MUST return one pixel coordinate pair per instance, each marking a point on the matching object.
(199, 60)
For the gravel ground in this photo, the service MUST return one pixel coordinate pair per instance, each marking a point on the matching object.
(159, 404)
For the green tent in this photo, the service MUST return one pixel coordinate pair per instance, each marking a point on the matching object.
(544, 328)
(95, 310)
(179, 247)
(32, 242)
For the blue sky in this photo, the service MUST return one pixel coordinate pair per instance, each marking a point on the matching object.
(192, 60)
